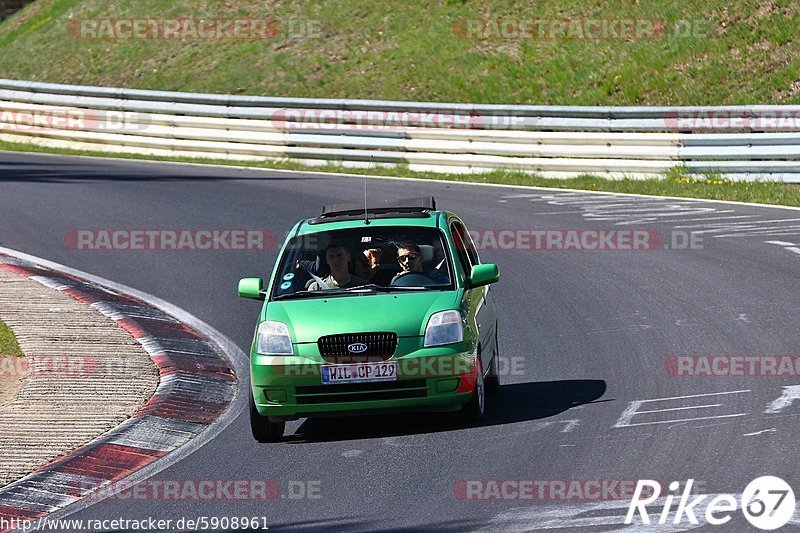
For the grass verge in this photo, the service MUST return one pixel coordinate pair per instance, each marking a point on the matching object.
(677, 182)
(8, 342)
(715, 52)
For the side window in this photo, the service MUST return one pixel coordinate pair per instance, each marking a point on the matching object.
(463, 244)
(471, 251)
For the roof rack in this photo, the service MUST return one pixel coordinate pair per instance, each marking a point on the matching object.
(402, 205)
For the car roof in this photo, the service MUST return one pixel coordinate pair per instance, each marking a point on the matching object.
(416, 205)
(419, 212)
(311, 225)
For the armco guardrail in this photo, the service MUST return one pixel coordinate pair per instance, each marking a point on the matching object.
(742, 142)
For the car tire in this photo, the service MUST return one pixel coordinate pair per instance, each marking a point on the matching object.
(493, 377)
(473, 411)
(263, 429)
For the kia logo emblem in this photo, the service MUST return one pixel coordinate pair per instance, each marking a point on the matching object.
(357, 347)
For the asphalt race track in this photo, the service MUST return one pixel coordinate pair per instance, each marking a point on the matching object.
(583, 334)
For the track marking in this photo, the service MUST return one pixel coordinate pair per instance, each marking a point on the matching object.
(770, 430)
(556, 213)
(790, 394)
(754, 232)
(679, 408)
(790, 246)
(701, 219)
(696, 395)
(352, 453)
(735, 225)
(625, 419)
(681, 420)
(570, 425)
(566, 515)
(656, 210)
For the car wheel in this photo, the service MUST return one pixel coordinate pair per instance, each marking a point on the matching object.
(263, 429)
(473, 411)
(493, 378)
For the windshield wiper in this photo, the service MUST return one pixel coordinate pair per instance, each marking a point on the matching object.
(359, 289)
(306, 294)
(381, 288)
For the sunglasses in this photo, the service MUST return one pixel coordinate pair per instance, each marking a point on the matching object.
(403, 258)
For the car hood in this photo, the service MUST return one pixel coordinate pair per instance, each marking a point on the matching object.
(404, 313)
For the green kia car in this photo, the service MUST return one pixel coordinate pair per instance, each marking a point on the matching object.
(370, 308)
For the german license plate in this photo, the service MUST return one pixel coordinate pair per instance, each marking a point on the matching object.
(359, 373)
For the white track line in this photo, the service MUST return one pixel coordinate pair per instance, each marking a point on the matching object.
(790, 246)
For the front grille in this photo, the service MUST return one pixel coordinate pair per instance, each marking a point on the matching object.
(361, 392)
(380, 347)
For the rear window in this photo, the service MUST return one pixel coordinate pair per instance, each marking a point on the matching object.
(384, 259)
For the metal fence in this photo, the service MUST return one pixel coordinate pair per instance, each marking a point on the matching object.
(740, 142)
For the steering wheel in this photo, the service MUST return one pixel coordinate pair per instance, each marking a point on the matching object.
(412, 279)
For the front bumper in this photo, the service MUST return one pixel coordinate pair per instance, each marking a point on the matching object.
(427, 378)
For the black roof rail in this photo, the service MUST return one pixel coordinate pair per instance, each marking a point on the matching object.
(401, 205)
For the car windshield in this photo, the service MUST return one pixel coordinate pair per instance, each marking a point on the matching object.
(363, 260)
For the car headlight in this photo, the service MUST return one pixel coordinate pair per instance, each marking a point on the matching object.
(444, 327)
(273, 339)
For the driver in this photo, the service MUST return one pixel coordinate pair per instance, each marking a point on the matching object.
(409, 256)
(338, 258)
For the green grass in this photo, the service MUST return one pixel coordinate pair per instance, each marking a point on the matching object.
(8, 343)
(741, 52)
(676, 182)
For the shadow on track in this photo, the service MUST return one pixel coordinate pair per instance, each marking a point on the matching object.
(64, 170)
(518, 402)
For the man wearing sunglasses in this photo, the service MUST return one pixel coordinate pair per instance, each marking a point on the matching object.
(409, 256)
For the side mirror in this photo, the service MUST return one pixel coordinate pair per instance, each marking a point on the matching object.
(251, 288)
(484, 275)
